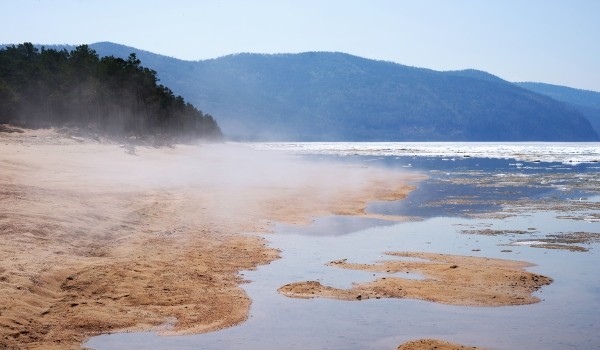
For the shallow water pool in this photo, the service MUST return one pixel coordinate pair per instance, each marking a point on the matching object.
(566, 318)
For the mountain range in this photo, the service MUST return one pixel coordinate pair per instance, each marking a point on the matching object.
(331, 96)
(587, 102)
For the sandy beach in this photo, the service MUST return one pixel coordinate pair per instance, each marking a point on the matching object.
(97, 238)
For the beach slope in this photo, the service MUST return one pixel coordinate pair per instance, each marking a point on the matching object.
(96, 237)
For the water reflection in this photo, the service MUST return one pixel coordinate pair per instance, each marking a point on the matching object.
(566, 318)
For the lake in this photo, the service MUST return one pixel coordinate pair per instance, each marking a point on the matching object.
(536, 202)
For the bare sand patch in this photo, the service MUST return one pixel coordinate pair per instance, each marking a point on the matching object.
(95, 238)
(449, 279)
(433, 344)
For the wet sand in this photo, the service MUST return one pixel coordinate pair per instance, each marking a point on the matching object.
(448, 279)
(98, 238)
(433, 344)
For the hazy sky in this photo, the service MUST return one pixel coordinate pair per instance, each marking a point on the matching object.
(552, 41)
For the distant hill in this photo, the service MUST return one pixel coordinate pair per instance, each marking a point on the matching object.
(335, 96)
(325, 96)
(588, 102)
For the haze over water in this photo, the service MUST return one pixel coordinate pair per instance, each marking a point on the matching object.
(548, 189)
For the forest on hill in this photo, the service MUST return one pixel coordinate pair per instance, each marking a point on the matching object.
(331, 96)
(112, 96)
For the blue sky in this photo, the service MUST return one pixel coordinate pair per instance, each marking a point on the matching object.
(552, 41)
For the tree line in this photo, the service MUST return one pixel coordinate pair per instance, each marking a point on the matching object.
(108, 95)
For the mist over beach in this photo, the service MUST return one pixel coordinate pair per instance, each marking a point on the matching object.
(340, 175)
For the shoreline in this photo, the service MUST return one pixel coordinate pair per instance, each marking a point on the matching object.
(97, 240)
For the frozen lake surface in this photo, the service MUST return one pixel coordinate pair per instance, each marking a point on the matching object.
(562, 152)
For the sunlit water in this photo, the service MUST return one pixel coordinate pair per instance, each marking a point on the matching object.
(567, 318)
(561, 152)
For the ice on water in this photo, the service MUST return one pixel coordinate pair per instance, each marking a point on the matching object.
(562, 152)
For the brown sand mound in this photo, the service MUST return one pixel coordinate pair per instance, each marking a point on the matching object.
(456, 280)
(96, 238)
(433, 344)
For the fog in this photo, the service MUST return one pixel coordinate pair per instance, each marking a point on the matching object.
(223, 166)
(217, 183)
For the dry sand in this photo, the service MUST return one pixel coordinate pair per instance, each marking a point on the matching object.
(448, 279)
(96, 238)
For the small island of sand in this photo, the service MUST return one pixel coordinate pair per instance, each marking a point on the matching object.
(448, 279)
(433, 344)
